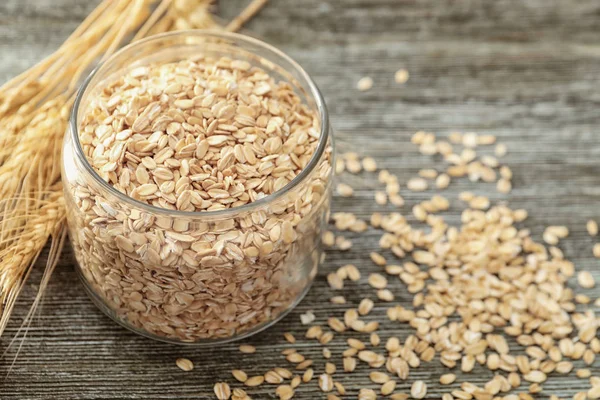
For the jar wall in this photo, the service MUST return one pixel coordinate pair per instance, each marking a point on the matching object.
(193, 277)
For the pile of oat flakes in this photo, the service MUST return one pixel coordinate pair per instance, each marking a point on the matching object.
(201, 134)
(484, 293)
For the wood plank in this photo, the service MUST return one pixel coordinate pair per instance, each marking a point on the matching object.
(526, 71)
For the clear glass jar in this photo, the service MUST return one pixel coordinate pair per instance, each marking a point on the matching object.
(197, 277)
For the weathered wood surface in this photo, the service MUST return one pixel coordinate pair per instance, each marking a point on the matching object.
(524, 70)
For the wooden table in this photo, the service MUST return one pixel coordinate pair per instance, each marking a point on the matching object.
(524, 70)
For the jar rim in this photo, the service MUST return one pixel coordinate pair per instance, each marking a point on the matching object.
(249, 207)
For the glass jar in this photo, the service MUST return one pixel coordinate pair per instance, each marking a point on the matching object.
(197, 277)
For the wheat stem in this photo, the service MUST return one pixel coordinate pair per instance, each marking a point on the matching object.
(249, 12)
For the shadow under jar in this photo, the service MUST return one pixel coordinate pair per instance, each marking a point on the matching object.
(208, 275)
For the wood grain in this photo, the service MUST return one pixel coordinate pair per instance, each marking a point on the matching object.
(524, 70)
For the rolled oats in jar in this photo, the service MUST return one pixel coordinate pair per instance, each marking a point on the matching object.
(197, 174)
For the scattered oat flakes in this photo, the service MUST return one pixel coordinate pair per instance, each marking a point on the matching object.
(369, 164)
(447, 379)
(364, 84)
(283, 372)
(304, 364)
(325, 383)
(335, 281)
(273, 377)
(353, 166)
(560, 232)
(504, 186)
(470, 140)
(418, 390)
(377, 281)
(289, 337)
(380, 198)
(419, 212)
(340, 166)
(442, 181)
(466, 196)
(483, 231)
(593, 393)
(222, 391)
(308, 375)
(255, 381)
(367, 394)
(592, 227)
(296, 380)
(239, 375)
(247, 348)
(428, 173)
(307, 318)
(506, 172)
(428, 149)
(285, 392)
(379, 377)
(314, 332)
(417, 184)
(586, 280)
(378, 259)
(396, 200)
(479, 203)
(365, 306)
(328, 238)
(401, 76)
(385, 295)
(239, 394)
(184, 364)
(330, 368)
(344, 190)
(374, 339)
(343, 243)
(486, 140)
(535, 376)
(500, 150)
(392, 187)
(388, 387)
(596, 250)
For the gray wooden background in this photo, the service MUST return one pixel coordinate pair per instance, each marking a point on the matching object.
(527, 71)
